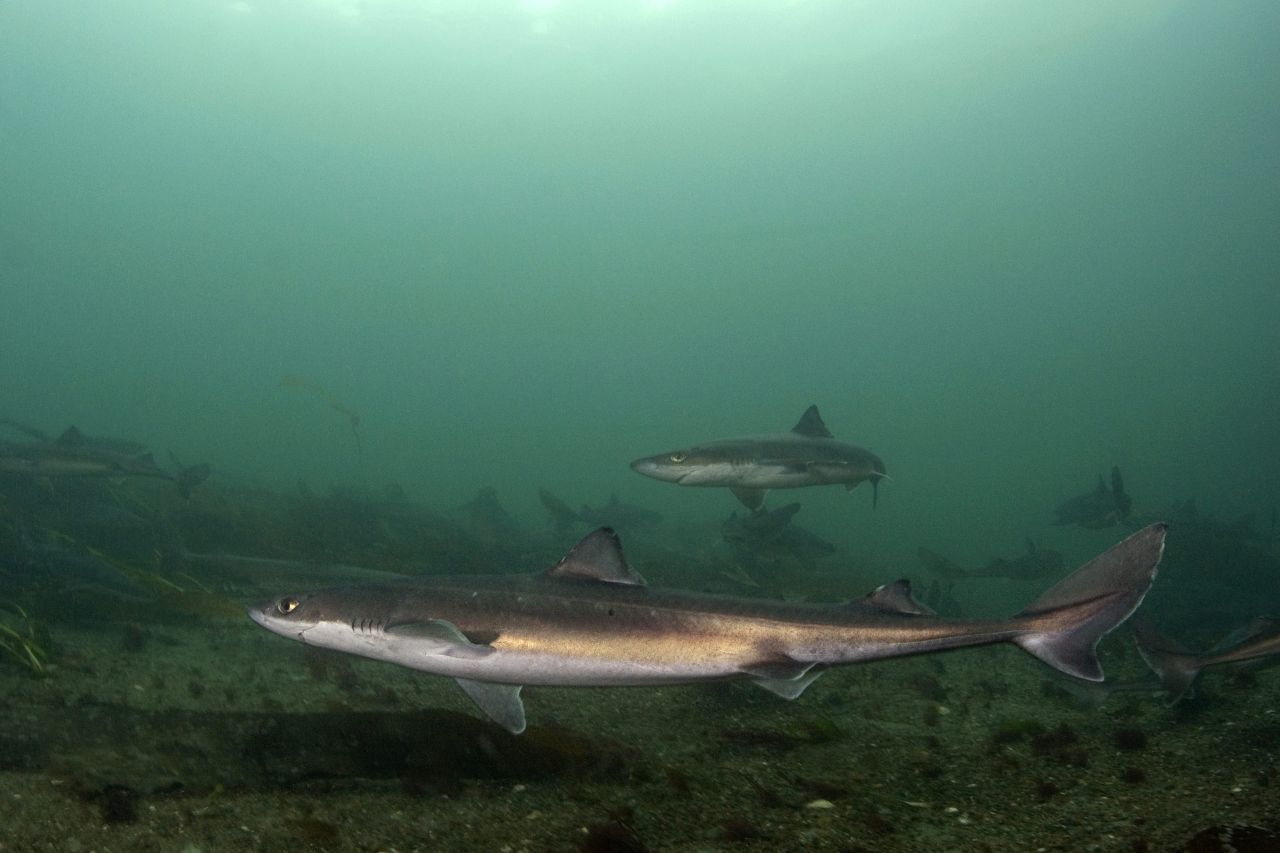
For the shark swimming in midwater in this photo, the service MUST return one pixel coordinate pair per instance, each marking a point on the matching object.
(1178, 668)
(616, 514)
(1034, 563)
(590, 620)
(808, 455)
(72, 454)
(771, 537)
(1103, 507)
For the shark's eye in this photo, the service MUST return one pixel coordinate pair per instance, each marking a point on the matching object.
(678, 456)
(285, 606)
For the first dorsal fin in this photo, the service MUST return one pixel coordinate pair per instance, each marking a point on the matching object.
(896, 597)
(811, 425)
(597, 557)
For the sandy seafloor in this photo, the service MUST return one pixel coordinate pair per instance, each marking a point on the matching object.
(229, 738)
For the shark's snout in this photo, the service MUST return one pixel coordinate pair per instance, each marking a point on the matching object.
(257, 612)
(650, 467)
(264, 614)
(659, 468)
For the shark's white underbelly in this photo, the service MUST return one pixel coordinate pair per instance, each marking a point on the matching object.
(754, 477)
(508, 667)
(587, 665)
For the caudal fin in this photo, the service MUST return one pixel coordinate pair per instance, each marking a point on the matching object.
(1123, 502)
(559, 515)
(1175, 666)
(190, 477)
(1063, 626)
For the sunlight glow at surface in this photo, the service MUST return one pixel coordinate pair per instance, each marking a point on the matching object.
(656, 164)
(657, 7)
(539, 8)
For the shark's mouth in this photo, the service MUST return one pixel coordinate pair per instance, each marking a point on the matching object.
(259, 615)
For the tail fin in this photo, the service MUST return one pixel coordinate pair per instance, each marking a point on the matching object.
(939, 565)
(559, 515)
(189, 478)
(877, 475)
(1123, 502)
(1063, 626)
(1176, 667)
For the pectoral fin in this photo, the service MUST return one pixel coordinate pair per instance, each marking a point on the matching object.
(439, 636)
(500, 702)
(787, 678)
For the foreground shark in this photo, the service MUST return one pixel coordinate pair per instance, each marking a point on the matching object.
(808, 455)
(591, 621)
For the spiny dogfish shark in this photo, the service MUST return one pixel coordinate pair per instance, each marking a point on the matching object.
(808, 455)
(590, 621)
